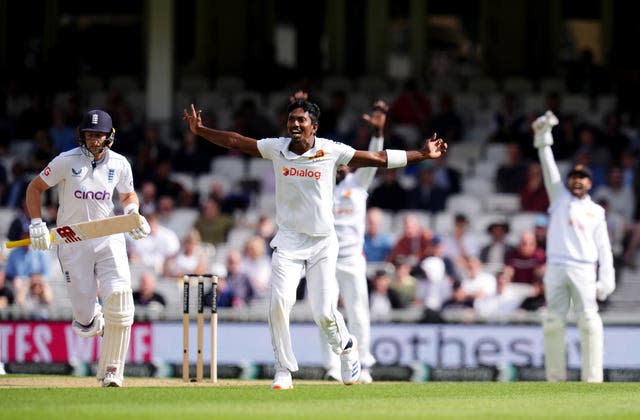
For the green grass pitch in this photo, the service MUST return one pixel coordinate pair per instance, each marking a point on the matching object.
(318, 400)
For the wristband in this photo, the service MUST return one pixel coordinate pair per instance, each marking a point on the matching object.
(396, 158)
(36, 221)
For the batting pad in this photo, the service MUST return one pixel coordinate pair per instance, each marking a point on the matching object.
(591, 347)
(553, 328)
(118, 316)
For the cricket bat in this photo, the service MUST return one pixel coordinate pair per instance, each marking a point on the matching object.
(87, 230)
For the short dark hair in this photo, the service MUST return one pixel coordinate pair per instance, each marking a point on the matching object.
(310, 107)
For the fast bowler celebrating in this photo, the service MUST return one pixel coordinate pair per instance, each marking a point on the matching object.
(578, 252)
(305, 167)
(87, 178)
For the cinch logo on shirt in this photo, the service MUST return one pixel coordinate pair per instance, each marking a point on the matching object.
(304, 173)
(92, 195)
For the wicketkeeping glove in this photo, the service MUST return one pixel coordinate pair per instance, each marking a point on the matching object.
(604, 288)
(139, 232)
(39, 234)
(542, 129)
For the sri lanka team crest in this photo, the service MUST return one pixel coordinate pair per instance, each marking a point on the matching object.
(302, 173)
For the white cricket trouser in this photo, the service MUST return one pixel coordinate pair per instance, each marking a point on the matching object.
(317, 255)
(94, 269)
(351, 274)
(563, 285)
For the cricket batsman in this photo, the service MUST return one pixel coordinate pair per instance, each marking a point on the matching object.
(579, 261)
(96, 270)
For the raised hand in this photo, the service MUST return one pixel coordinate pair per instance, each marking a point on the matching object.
(378, 116)
(194, 118)
(435, 147)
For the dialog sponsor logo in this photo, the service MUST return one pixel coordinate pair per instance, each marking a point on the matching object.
(302, 173)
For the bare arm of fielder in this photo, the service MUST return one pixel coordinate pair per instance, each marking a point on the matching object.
(433, 147)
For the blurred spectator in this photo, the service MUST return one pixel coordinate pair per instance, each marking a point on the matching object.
(591, 155)
(224, 294)
(445, 176)
(42, 152)
(461, 244)
(382, 299)
(257, 265)
(377, 242)
(509, 122)
(493, 254)
(266, 229)
(619, 231)
(22, 263)
(62, 133)
(410, 110)
(413, 242)
(249, 121)
(476, 283)
(447, 122)
(190, 259)
(238, 281)
(526, 265)
(150, 153)
(6, 292)
(403, 282)
(389, 194)
(191, 156)
(434, 287)
(37, 297)
(506, 302)
(426, 195)
(533, 196)
(512, 173)
(146, 294)
(129, 132)
(148, 196)
(153, 250)
(612, 137)
(540, 226)
(213, 226)
(165, 185)
(17, 188)
(620, 198)
(339, 121)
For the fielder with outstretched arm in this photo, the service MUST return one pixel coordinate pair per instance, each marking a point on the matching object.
(87, 178)
(349, 211)
(305, 167)
(579, 261)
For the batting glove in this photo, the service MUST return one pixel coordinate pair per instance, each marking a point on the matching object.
(140, 232)
(39, 234)
(542, 129)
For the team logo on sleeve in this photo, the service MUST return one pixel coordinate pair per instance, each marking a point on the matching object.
(301, 173)
(46, 171)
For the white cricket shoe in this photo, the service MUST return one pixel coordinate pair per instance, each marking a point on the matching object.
(111, 379)
(365, 377)
(282, 380)
(350, 363)
(333, 374)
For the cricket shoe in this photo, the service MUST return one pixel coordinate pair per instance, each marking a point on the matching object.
(282, 380)
(333, 374)
(350, 362)
(365, 376)
(110, 379)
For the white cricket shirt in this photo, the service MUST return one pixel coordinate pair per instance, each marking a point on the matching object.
(577, 232)
(86, 193)
(305, 183)
(350, 206)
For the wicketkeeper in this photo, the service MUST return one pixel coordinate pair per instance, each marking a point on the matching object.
(87, 178)
(579, 261)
